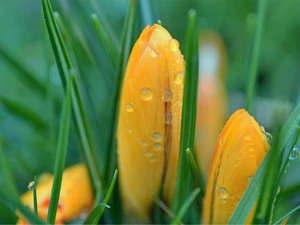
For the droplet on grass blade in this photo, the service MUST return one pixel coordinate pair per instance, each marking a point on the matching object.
(295, 153)
(31, 185)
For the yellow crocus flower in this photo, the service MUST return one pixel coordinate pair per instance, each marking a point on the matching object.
(149, 122)
(76, 195)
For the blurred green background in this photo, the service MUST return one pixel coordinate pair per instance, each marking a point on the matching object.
(29, 141)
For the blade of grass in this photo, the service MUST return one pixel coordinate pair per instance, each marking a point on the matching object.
(35, 205)
(82, 125)
(146, 12)
(189, 111)
(253, 58)
(96, 210)
(110, 49)
(183, 209)
(24, 74)
(61, 153)
(22, 111)
(127, 37)
(107, 197)
(251, 194)
(196, 172)
(287, 215)
(9, 201)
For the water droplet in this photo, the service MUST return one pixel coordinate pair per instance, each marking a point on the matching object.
(221, 142)
(31, 185)
(129, 130)
(269, 137)
(152, 158)
(157, 146)
(288, 164)
(156, 136)
(223, 200)
(146, 94)
(251, 148)
(249, 178)
(129, 107)
(247, 137)
(148, 154)
(144, 143)
(295, 153)
(262, 129)
(152, 53)
(174, 45)
(178, 60)
(168, 118)
(167, 95)
(223, 193)
(179, 78)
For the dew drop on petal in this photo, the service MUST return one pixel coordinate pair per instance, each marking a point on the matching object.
(248, 179)
(148, 153)
(262, 129)
(295, 153)
(168, 118)
(31, 185)
(156, 137)
(157, 146)
(179, 78)
(152, 158)
(129, 107)
(223, 193)
(144, 143)
(167, 95)
(251, 148)
(146, 94)
(174, 45)
(247, 137)
(152, 53)
(268, 137)
(129, 130)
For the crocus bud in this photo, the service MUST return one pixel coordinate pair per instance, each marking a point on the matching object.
(241, 147)
(212, 100)
(149, 122)
(76, 195)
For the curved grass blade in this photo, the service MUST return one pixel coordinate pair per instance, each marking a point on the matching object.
(24, 74)
(99, 213)
(61, 153)
(23, 112)
(287, 215)
(183, 209)
(109, 47)
(128, 30)
(251, 194)
(196, 172)
(93, 214)
(254, 56)
(189, 111)
(64, 66)
(9, 201)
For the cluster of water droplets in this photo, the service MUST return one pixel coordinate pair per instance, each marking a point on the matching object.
(223, 194)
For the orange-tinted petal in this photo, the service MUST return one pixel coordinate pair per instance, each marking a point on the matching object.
(212, 101)
(76, 195)
(240, 149)
(149, 121)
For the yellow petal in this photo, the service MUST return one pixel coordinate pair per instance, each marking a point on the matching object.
(212, 101)
(240, 149)
(149, 121)
(76, 196)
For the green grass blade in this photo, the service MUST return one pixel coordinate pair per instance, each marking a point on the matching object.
(198, 177)
(127, 36)
(253, 58)
(146, 12)
(189, 111)
(24, 74)
(82, 125)
(61, 153)
(109, 47)
(251, 194)
(9, 201)
(24, 112)
(183, 209)
(35, 205)
(5, 169)
(107, 197)
(93, 214)
(287, 215)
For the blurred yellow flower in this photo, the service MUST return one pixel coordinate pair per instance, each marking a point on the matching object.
(212, 101)
(76, 195)
(241, 147)
(149, 122)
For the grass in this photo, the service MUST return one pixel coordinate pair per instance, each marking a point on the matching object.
(86, 42)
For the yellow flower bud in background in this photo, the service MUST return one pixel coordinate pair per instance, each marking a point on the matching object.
(149, 122)
(241, 147)
(76, 195)
(212, 99)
